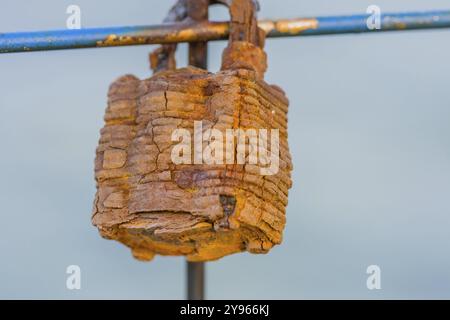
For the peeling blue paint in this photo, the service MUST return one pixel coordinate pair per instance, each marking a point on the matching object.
(139, 35)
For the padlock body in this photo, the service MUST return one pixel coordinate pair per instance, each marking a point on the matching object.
(161, 186)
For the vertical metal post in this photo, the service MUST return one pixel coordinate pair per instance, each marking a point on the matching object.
(198, 51)
(198, 57)
(195, 280)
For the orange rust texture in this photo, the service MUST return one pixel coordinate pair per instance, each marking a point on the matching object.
(203, 212)
(115, 40)
(292, 26)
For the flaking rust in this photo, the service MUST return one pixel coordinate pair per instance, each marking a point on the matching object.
(291, 26)
(115, 40)
(199, 209)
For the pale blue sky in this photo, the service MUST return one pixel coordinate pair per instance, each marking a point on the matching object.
(369, 136)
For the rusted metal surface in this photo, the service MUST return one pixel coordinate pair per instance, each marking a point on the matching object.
(211, 31)
(157, 205)
(288, 26)
(197, 10)
(163, 58)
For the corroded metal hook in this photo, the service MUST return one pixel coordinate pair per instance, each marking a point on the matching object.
(243, 27)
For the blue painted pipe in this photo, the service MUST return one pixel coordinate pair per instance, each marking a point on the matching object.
(389, 22)
(209, 31)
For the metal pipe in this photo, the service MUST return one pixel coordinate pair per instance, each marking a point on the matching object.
(195, 280)
(356, 24)
(209, 31)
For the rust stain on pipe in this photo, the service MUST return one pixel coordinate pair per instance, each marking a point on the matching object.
(291, 26)
(115, 40)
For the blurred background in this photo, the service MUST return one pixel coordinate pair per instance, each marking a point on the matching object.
(369, 136)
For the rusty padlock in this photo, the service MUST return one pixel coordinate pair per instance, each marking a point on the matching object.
(196, 163)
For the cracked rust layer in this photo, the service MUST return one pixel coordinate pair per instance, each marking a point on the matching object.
(203, 212)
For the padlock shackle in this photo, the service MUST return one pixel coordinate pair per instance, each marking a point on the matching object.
(245, 48)
(243, 29)
(243, 21)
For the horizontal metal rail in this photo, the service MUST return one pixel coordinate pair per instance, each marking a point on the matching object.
(209, 31)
